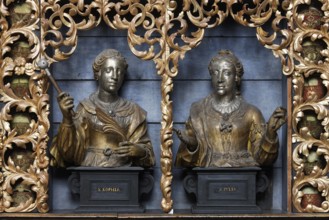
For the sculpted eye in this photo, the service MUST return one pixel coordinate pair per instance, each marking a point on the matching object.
(108, 70)
(227, 72)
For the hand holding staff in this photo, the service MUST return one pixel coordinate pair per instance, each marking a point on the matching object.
(43, 64)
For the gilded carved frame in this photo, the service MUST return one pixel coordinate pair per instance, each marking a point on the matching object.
(164, 24)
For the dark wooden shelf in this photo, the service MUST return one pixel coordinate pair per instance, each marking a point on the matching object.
(50, 216)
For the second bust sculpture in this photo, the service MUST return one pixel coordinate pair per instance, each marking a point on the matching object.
(106, 130)
(225, 131)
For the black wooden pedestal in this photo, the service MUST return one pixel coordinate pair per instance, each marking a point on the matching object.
(223, 190)
(111, 190)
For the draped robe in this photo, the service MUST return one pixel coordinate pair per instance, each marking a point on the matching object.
(94, 130)
(226, 140)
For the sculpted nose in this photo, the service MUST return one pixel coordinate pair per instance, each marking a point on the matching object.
(114, 74)
(220, 77)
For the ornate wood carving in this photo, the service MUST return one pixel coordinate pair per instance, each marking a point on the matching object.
(24, 116)
(163, 31)
(310, 102)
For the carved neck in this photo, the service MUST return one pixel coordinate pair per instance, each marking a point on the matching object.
(107, 97)
(226, 100)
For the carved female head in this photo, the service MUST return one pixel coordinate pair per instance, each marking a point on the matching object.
(226, 59)
(109, 68)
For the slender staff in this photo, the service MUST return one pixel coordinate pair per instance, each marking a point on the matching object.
(43, 64)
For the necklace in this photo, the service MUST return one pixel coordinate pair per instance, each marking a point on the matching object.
(228, 109)
(226, 112)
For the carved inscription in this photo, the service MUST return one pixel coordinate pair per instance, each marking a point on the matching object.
(111, 190)
(226, 189)
(108, 189)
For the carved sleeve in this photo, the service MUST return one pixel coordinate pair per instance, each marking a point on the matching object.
(185, 157)
(137, 133)
(69, 144)
(264, 151)
(140, 136)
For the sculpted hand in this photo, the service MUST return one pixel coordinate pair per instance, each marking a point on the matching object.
(185, 138)
(66, 105)
(277, 119)
(129, 149)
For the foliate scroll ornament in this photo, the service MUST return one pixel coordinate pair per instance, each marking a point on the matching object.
(319, 184)
(311, 151)
(3, 21)
(144, 23)
(206, 14)
(12, 36)
(59, 30)
(310, 102)
(305, 41)
(166, 142)
(17, 14)
(273, 22)
(277, 33)
(303, 94)
(303, 132)
(254, 13)
(19, 181)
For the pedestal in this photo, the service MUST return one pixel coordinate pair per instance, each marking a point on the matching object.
(111, 190)
(223, 190)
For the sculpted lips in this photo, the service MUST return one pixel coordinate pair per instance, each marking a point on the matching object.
(112, 83)
(220, 86)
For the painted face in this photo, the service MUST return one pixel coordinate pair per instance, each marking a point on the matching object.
(223, 77)
(111, 76)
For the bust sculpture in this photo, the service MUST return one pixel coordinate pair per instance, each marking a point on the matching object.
(106, 130)
(223, 130)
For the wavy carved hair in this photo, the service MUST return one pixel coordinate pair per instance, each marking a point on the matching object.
(104, 55)
(231, 58)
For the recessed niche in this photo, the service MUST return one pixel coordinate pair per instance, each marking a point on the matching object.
(312, 15)
(20, 85)
(310, 121)
(314, 89)
(20, 48)
(20, 12)
(313, 159)
(22, 157)
(312, 50)
(22, 193)
(21, 122)
(311, 196)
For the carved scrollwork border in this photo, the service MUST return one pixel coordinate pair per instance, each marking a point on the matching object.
(164, 28)
(24, 184)
(306, 142)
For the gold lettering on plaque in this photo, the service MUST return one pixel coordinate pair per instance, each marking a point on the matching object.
(226, 189)
(108, 189)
